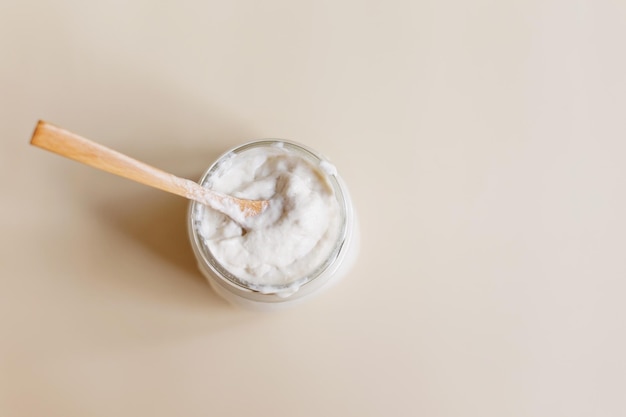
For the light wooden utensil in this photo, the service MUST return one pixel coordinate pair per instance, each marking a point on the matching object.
(73, 146)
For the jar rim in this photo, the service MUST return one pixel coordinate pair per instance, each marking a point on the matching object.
(230, 279)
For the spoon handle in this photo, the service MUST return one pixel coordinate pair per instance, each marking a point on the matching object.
(73, 146)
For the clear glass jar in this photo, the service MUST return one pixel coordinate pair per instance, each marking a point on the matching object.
(333, 267)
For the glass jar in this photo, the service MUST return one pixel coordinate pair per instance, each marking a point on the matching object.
(333, 266)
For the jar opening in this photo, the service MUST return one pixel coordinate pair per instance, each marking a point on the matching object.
(229, 273)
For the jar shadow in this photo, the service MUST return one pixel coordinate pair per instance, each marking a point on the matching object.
(158, 224)
(155, 222)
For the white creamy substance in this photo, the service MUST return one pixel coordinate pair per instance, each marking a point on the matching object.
(292, 237)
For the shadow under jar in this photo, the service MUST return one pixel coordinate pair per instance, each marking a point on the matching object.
(306, 239)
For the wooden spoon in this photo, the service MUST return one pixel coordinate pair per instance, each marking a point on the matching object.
(73, 146)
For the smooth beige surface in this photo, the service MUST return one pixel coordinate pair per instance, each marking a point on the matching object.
(499, 126)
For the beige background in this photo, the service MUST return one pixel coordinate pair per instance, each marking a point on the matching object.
(483, 142)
